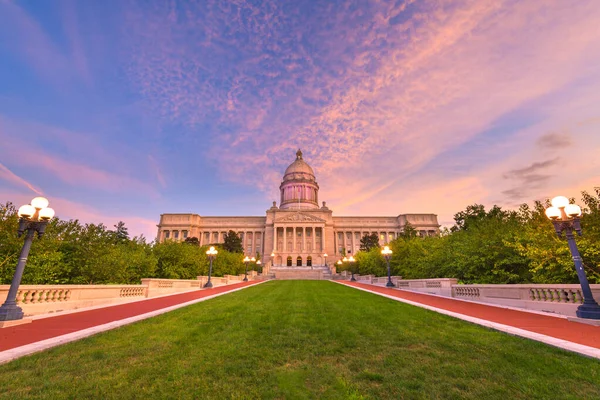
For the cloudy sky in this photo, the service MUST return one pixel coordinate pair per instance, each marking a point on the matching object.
(123, 110)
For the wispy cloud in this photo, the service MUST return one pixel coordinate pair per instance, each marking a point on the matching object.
(7, 175)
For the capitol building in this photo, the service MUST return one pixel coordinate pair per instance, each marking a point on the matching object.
(298, 232)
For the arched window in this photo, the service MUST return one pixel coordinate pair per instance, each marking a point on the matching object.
(289, 261)
(309, 261)
(299, 261)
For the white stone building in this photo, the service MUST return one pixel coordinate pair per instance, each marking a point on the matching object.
(298, 232)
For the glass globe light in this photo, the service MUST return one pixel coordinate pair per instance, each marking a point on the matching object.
(344, 259)
(26, 211)
(46, 214)
(560, 201)
(39, 203)
(553, 213)
(339, 262)
(573, 210)
(351, 259)
(258, 262)
(325, 255)
(253, 259)
(246, 259)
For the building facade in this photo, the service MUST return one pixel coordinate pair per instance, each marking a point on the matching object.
(299, 232)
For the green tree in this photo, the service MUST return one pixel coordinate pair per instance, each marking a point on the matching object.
(192, 240)
(369, 241)
(121, 232)
(232, 242)
(408, 231)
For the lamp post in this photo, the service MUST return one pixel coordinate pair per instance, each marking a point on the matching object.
(325, 256)
(272, 258)
(351, 260)
(211, 253)
(258, 263)
(565, 218)
(246, 261)
(387, 253)
(32, 218)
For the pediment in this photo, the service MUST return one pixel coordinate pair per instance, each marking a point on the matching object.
(300, 217)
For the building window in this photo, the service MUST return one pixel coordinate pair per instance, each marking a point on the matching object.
(175, 235)
(185, 234)
(167, 234)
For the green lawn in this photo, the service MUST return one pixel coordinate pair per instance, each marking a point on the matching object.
(296, 340)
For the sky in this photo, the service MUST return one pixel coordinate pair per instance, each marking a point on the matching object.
(124, 110)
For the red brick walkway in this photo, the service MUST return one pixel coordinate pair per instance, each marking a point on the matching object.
(47, 328)
(558, 328)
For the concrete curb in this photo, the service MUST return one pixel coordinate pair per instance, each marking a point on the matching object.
(17, 352)
(552, 341)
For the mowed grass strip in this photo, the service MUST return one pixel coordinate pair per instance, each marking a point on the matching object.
(302, 340)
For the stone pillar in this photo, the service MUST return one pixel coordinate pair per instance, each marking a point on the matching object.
(314, 239)
(254, 243)
(303, 239)
(352, 240)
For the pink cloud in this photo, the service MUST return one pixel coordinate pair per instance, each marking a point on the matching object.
(7, 175)
(18, 135)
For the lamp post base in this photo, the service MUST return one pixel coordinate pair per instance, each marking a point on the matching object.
(588, 311)
(10, 312)
(390, 284)
(208, 284)
(245, 279)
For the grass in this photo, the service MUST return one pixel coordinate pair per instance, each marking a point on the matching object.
(302, 340)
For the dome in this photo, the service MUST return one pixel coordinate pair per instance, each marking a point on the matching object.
(299, 169)
(299, 189)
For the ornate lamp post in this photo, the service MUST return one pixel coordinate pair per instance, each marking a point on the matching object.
(273, 258)
(258, 263)
(565, 218)
(351, 260)
(325, 256)
(32, 218)
(211, 253)
(387, 253)
(246, 261)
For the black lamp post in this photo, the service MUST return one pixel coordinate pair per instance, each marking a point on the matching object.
(211, 253)
(565, 218)
(258, 264)
(351, 260)
(387, 253)
(246, 261)
(32, 218)
(325, 256)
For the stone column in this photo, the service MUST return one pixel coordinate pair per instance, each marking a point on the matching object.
(344, 245)
(353, 239)
(253, 242)
(314, 239)
(303, 239)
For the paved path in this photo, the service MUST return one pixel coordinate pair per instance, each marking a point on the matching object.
(59, 325)
(555, 327)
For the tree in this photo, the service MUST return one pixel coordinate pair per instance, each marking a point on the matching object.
(121, 231)
(192, 240)
(232, 242)
(408, 231)
(369, 241)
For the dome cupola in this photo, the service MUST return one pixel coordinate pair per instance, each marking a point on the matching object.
(299, 189)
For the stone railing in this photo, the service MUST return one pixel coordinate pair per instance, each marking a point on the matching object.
(43, 299)
(159, 287)
(555, 298)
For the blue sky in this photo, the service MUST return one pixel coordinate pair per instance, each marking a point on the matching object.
(123, 110)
